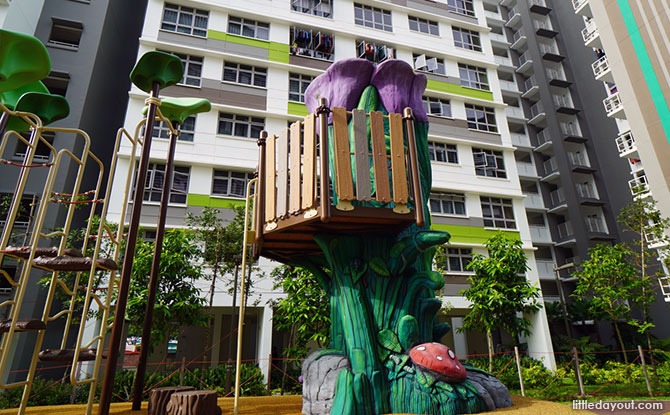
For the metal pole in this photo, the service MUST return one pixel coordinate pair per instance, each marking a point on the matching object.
(518, 368)
(578, 372)
(230, 334)
(127, 268)
(154, 276)
(324, 193)
(644, 370)
(243, 299)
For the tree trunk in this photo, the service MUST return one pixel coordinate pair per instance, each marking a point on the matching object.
(489, 342)
(621, 344)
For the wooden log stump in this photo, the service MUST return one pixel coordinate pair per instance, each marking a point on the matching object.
(201, 402)
(159, 398)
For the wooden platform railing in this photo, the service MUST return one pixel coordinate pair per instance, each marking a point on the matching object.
(368, 166)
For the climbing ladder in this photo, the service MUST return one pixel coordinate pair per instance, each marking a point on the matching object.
(77, 272)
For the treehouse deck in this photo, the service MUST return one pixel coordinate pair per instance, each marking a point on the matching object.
(364, 166)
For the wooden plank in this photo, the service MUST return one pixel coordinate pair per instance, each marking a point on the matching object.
(282, 172)
(361, 156)
(344, 186)
(295, 142)
(270, 179)
(309, 163)
(398, 166)
(379, 159)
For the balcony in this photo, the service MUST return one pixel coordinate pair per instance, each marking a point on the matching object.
(614, 106)
(550, 52)
(595, 224)
(503, 61)
(499, 38)
(582, 7)
(579, 162)
(664, 282)
(557, 198)
(557, 78)
(525, 63)
(513, 17)
(543, 140)
(626, 145)
(519, 40)
(493, 15)
(591, 35)
(545, 270)
(539, 6)
(564, 105)
(515, 113)
(588, 195)
(565, 230)
(601, 70)
(639, 186)
(655, 239)
(530, 87)
(537, 114)
(550, 168)
(520, 140)
(540, 234)
(571, 132)
(544, 28)
(509, 86)
(533, 201)
(526, 169)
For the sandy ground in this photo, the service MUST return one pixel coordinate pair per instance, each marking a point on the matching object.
(289, 405)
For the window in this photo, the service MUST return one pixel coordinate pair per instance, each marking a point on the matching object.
(186, 20)
(312, 43)
(192, 70)
(473, 76)
(447, 204)
(481, 118)
(374, 52)
(245, 74)
(418, 24)
(240, 125)
(248, 27)
(437, 106)
(489, 163)
(457, 259)
(430, 64)
(297, 84)
(230, 183)
(57, 82)
(187, 130)
(323, 8)
(373, 17)
(467, 39)
(42, 152)
(65, 33)
(443, 153)
(462, 7)
(498, 213)
(153, 187)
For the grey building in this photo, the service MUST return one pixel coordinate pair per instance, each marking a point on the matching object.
(93, 47)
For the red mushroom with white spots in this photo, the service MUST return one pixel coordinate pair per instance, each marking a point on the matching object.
(438, 359)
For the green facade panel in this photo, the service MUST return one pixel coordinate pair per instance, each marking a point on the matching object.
(472, 235)
(296, 108)
(459, 90)
(277, 52)
(195, 199)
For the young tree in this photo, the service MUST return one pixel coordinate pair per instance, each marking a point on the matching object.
(178, 302)
(499, 290)
(304, 312)
(643, 218)
(610, 278)
(221, 241)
